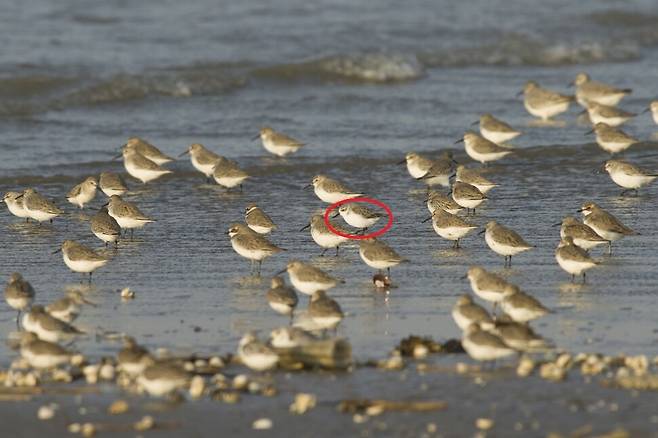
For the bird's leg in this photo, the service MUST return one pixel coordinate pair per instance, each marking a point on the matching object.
(573, 278)
(337, 251)
(260, 263)
(18, 320)
(388, 270)
(132, 232)
(323, 251)
(609, 247)
(90, 277)
(584, 278)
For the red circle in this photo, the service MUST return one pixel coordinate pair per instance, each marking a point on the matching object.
(373, 201)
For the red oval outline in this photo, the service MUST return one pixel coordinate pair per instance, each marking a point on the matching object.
(373, 201)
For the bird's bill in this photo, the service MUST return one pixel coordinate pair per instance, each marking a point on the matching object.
(402, 162)
(571, 84)
(305, 227)
(426, 220)
(307, 186)
(556, 225)
(187, 151)
(18, 197)
(335, 215)
(106, 204)
(280, 272)
(580, 210)
(452, 176)
(477, 122)
(463, 277)
(460, 140)
(646, 110)
(591, 131)
(57, 250)
(519, 94)
(255, 137)
(116, 157)
(483, 231)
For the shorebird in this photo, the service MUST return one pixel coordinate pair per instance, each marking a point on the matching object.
(14, 202)
(582, 235)
(19, 294)
(251, 245)
(258, 220)
(588, 90)
(255, 354)
(379, 255)
(163, 378)
(604, 223)
(126, 214)
(573, 259)
(308, 279)
(281, 298)
(38, 207)
(496, 130)
(277, 143)
(520, 306)
(467, 312)
(83, 193)
(450, 226)
(81, 259)
(331, 191)
(203, 160)
(324, 237)
(543, 103)
(628, 176)
(504, 241)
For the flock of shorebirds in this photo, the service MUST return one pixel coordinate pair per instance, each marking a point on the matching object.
(486, 337)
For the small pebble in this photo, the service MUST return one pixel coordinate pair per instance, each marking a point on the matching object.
(146, 423)
(484, 423)
(88, 430)
(118, 407)
(262, 424)
(127, 294)
(197, 386)
(46, 412)
(303, 403)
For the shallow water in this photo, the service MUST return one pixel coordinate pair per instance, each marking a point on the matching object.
(361, 85)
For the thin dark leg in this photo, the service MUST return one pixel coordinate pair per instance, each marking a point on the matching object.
(260, 262)
(584, 278)
(389, 272)
(609, 247)
(323, 251)
(18, 321)
(337, 251)
(132, 233)
(90, 278)
(573, 278)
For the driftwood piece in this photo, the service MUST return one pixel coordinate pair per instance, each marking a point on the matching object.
(327, 353)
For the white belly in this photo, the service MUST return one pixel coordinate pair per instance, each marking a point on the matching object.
(16, 208)
(325, 240)
(468, 203)
(332, 197)
(587, 244)
(519, 315)
(572, 266)
(106, 237)
(144, 175)
(442, 180)
(326, 322)
(499, 248)
(451, 233)
(611, 99)
(358, 221)
(206, 169)
(309, 287)
(612, 121)
(110, 192)
(278, 149)
(484, 353)
(461, 321)
(484, 158)
(545, 112)
(281, 308)
(631, 181)
(250, 254)
(378, 264)
(160, 387)
(18, 303)
(613, 147)
(260, 230)
(83, 266)
(606, 234)
(229, 182)
(40, 216)
(43, 361)
(497, 136)
(83, 198)
(127, 222)
(416, 171)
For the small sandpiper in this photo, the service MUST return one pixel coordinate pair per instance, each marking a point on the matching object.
(441, 171)
(163, 378)
(105, 227)
(126, 214)
(544, 103)
(573, 259)
(467, 196)
(14, 201)
(331, 191)
(604, 223)
(610, 115)
(42, 354)
(437, 199)
(202, 159)
(467, 312)
(256, 354)
(291, 337)
(324, 237)
(140, 167)
(358, 216)
(612, 140)
(582, 235)
(484, 346)
(281, 298)
(80, 258)
(251, 245)
(38, 207)
(83, 193)
(379, 255)
(482, 150)
(133, 358)
(258, 220)
(228, 174)
(488, 286)
(628, 176)
(518, 336)
(653, 108)
(148, 150)
(47, 327)
(473, 177)
(417, 165)
(450, 226)
(67, 308)
(496, 130)
(504, 241)
(112, 184)
(588, 90)
(19, 294)
(308, 279)
(277, 143)
(324, 311)
(522, 307)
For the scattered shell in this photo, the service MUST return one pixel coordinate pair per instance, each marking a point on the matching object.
(551, 371)
(240, 381)
(359, 418)
(60, 375)
(197, 386)
(19, 364)
(127, 294)
(107, 372)
(432, 428)
(262, 424)
(420, 351)
(303, 403)
(77, 360)
(254, 387)
(88, 430)
(118, 407)
(189, 366)
(46, 412)
(91, 373)
(146, 423)
(526, 367)
(30, 379)
(216, 362)
(484, 423)
(393, 363)
(564, 361)
(74, 427)
(200, 363)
